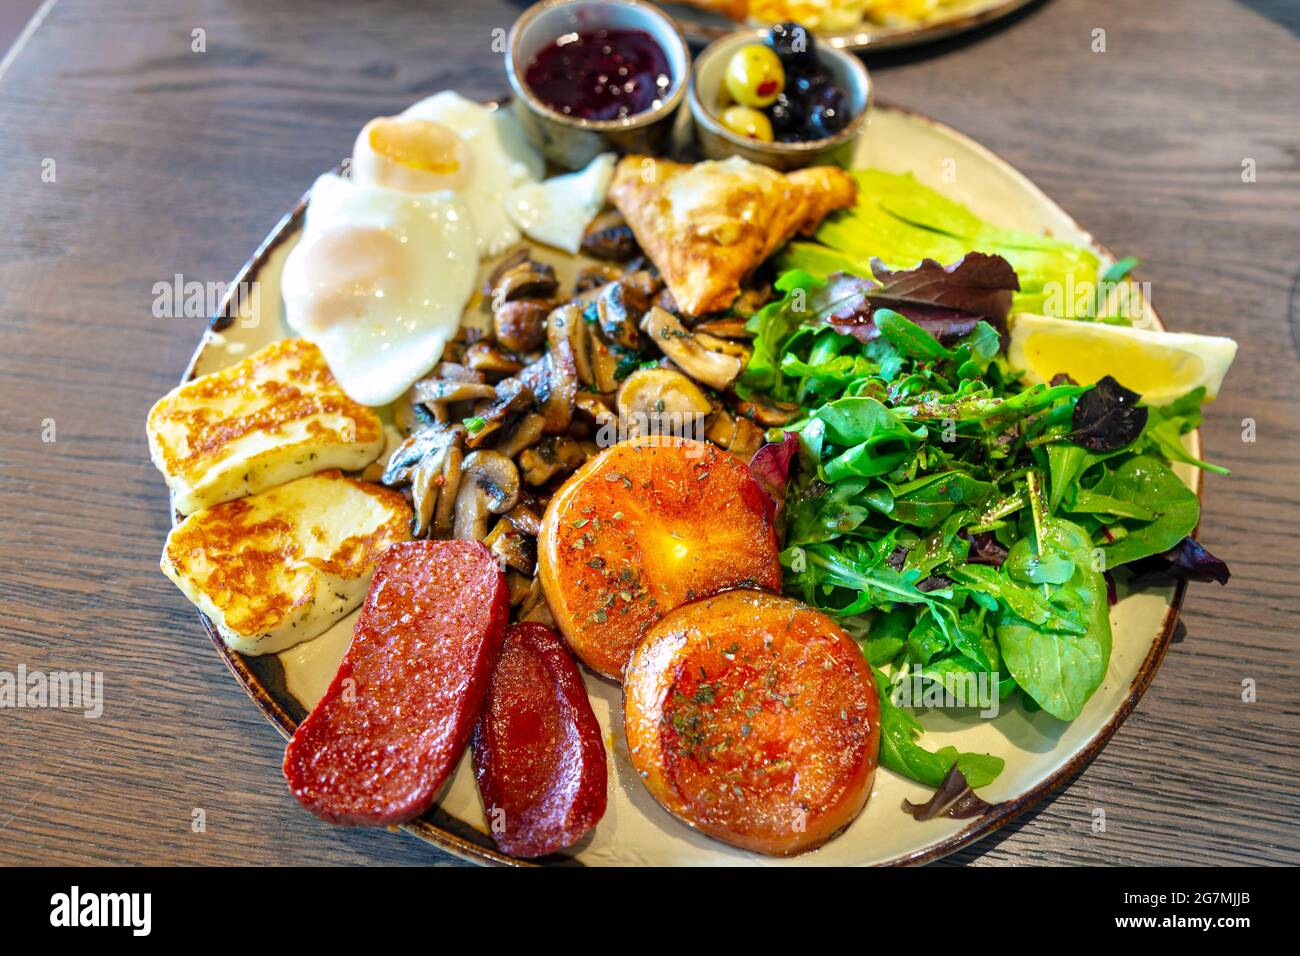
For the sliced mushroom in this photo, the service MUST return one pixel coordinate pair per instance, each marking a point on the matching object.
(619, 308)
(768, 412)
(661, 401)
(491, 361)
(725, 346)
(439, 391)
(489, 486)
(595, 407)
(511, 398)
(513, 548)
(608, 363)
(520, 433)
(525, 518)
(553, 456)
(444, 513)
(568, 332)
(666, 301)
(567, 328)
(739, 436)
(729, 327)
(610, 237)
(751, 300)
(411, 416)
(645, 280)
(431, 442)
(467, 333)
(716, 369)
(594, 277)
(534, 606)
(519, 586)
(455, 372)
(748, 439)
(426, 485)
(518, 276)
(421, 461)
(521, 325)
(553, 381)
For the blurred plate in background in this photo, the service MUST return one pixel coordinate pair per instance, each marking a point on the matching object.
(957, 16)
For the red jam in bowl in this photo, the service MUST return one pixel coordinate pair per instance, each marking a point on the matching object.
(600, 75)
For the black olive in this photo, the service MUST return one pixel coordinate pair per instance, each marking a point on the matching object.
(827, 112)
(787, 116)
(805, 85)
(795, 46)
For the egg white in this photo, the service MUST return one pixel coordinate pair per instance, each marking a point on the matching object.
(501, 159)
(379, 281)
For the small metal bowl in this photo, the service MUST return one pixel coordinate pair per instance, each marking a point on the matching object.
(571, 142)
(718, 142)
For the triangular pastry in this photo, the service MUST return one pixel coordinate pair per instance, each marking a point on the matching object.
(709, 225)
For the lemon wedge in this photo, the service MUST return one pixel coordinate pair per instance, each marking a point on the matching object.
(1159, 366)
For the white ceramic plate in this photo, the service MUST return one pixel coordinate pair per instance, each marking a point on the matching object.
(1041, 752)
(704, 26)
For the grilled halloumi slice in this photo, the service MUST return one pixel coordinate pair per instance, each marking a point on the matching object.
(276, 416)
(278, 568)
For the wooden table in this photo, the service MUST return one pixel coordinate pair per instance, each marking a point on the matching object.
(171, 161)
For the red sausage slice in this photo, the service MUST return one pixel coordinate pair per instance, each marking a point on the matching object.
(538, 755)
(393, 725)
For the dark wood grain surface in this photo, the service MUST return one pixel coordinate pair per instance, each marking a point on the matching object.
(169, 161)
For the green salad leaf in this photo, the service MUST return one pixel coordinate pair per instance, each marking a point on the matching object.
(951, 515)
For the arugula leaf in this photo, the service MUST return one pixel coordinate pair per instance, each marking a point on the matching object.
(771, 324)
(1167, 425)
(908, 337)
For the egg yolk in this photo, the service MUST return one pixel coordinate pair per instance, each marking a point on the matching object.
(411, 155)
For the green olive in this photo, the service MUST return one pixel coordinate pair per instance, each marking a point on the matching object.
(754, 76)
(747, 121)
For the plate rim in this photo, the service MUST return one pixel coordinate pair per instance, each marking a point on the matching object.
(863, 39)
(1001, 814)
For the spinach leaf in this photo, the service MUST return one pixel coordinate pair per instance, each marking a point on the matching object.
(878, 441)
(900, 752)
(1149, 484)
(1059, 670)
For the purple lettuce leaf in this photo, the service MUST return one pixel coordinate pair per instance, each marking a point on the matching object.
(954, 798)
(772, 467)
(985, 548)
(1187, 560)
(946, 301)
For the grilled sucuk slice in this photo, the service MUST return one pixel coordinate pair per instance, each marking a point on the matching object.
(646, 525)
(754, 719)
(538, 756)
(397, 718)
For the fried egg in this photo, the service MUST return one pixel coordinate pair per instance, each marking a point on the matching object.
(379, 281)
(447, 142)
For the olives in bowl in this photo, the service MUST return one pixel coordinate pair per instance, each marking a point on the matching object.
(784, 77)
(775, 97)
